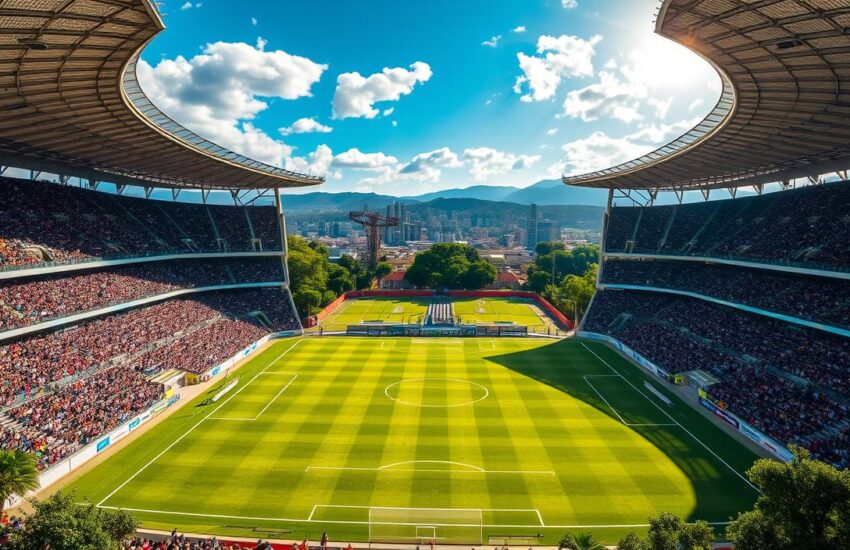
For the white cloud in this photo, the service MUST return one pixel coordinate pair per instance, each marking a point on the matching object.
(317, 163)
(485, 162)
(186, 6)
(599, 150)
(217, 93)
(427, 166)
(558, 58)
(394, 123)
(388, 112)
(424, 167)
(698, 102)
(254, 21)
(569, 4)
(355, 95)
(355, 159)
(551, 131)
(519, 29)
(493, 42)
(610, 97)
(306, 126)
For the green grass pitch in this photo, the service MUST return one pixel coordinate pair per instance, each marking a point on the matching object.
(386, 310)
(534, 436)
(518, 311)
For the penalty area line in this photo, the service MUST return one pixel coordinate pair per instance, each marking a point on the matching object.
(190, 430)
(676, 422)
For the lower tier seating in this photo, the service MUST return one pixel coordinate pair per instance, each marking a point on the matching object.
(790, 382)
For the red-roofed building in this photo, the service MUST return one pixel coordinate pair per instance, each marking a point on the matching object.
(395, 281)
(507, 280)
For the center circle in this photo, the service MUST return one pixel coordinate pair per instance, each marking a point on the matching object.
(436, 392)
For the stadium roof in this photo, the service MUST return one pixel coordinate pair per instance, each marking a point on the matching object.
(70, 103)
(784, 111)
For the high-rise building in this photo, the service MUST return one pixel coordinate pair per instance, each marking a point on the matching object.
(394, 236)
(531, 228)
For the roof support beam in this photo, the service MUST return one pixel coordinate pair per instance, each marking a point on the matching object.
(148, 191)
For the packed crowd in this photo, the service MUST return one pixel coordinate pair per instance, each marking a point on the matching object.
(806, 226)
(788, 381)
(31, 365)
(820, 299)
(30, 301)
(46, 222)
(84, 381)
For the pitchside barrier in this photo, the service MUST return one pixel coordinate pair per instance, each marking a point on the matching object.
(425, 526)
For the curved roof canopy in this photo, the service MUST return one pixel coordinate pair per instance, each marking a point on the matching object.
(785, 107)
(70, 102)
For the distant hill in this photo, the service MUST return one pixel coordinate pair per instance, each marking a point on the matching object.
(338, 201)
(483, 192)
(546, 192)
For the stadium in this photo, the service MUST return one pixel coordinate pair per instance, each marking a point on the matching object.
(153, 360)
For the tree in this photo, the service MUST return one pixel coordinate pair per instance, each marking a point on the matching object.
(18, 474)
(631, 542)
(542, 249)
(451, 265)
(696, 536)
(580, 541)
(805, 504)
(664, 532)
(383, 269)
(58, 523)
(339, 280)
(306, 299)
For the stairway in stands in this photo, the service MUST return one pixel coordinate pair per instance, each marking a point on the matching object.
(441, 311)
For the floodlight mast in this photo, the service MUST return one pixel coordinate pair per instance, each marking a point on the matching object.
(374, 224)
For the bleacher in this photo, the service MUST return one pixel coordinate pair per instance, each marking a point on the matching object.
(440, 312)
(807, 227)
(47, 224)
(782, 365)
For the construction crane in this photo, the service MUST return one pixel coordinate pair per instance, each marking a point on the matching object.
(374, 224)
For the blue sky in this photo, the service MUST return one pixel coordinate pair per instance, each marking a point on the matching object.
(404, 97)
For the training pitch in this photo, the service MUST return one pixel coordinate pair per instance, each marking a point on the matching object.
(379, 309)
(462, 440)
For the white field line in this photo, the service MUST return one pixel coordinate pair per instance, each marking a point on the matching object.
(190, 430)
(623, 420)
(676, 422)
(239, 419)
(392, 468)
(535, 511)
(325, 521)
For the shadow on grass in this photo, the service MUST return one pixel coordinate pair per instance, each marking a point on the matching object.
(719, 492)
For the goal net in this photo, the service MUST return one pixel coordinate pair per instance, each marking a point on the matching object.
(425, 525)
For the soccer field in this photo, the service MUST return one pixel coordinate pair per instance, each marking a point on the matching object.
(517, 311)
(386, 310)
(523, 436)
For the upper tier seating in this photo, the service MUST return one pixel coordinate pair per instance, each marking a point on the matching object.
(809, 226)
(44, 222)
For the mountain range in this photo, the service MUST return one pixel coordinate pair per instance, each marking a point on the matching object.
(546, 192)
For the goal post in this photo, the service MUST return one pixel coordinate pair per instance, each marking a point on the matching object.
(425, 525)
